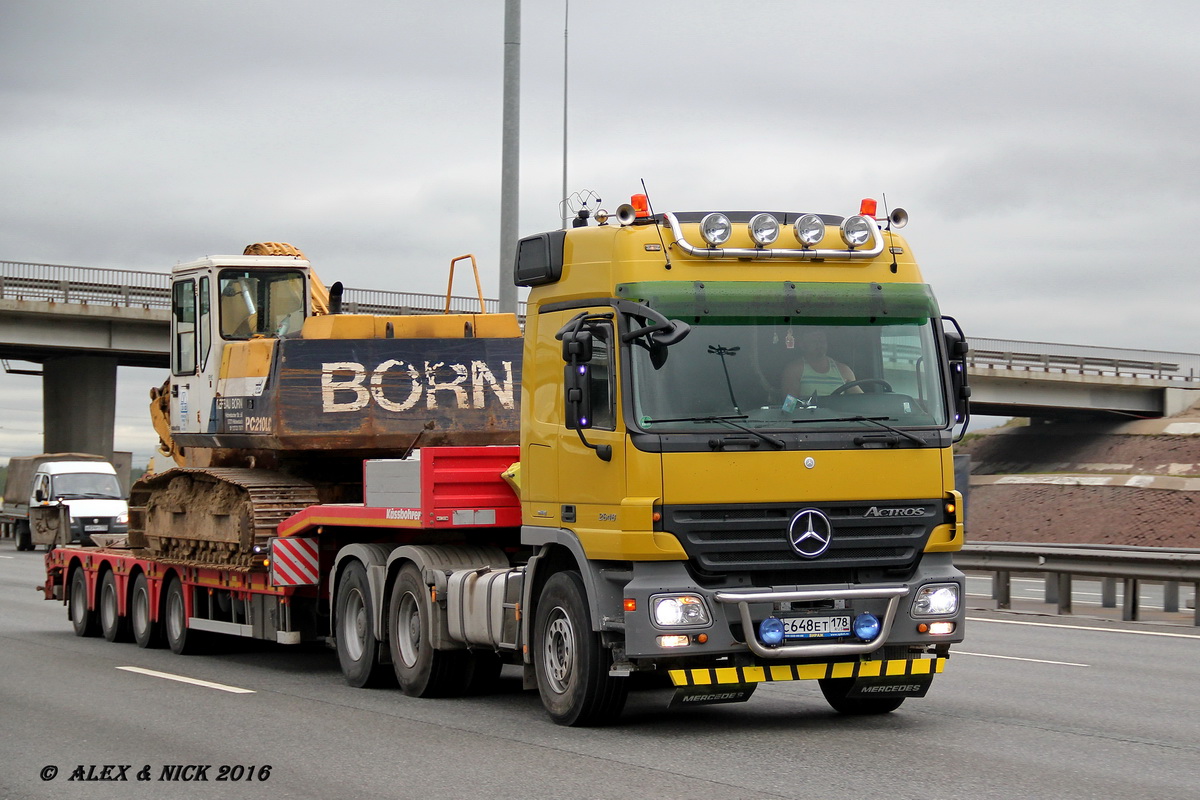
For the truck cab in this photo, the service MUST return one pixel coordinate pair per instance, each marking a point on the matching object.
(91, 492)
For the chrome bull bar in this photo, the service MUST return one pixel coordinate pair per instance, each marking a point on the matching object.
(743, 600)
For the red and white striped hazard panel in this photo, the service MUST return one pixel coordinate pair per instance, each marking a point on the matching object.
(294, 562)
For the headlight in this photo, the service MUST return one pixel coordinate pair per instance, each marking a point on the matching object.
(936, 600)
(809, 229)
(122, 519)
(856, 231)
(715, 229)
(676, 610)
(764, 229)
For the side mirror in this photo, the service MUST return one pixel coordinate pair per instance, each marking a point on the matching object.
(577, 394)
(39, 496)
(956, 353)
(577, 346)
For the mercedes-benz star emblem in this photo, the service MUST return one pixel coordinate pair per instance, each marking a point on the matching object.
(810, 533)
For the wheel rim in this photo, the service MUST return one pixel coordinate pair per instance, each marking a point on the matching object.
(408, 629)
(354, 625)
(175, 616)
(108, 605)
(559, 650)
(140, 612)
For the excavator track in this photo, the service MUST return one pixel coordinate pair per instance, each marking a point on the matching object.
(213, 516)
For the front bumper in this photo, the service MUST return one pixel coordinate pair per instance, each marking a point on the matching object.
(736, 611)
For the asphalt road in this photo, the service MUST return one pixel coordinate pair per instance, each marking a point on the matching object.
(1030, 706)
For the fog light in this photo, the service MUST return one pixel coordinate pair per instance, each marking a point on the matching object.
(715, 229)
(770, 631)
(866, 626)
(674, 641)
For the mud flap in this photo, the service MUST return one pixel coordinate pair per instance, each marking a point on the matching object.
(905, 686)
(712, 694)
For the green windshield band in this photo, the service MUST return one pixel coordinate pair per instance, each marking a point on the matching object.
(879, 302)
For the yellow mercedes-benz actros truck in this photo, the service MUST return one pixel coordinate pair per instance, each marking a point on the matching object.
(719, 454)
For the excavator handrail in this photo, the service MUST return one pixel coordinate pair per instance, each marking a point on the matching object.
(478, 285)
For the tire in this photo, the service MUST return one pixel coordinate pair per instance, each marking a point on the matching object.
(113, 626)
(569, 660)
(146, 632)
(836, 689)
(182, 640)
(22, 537)
(357, 647)
(420, 670)
(83, 619)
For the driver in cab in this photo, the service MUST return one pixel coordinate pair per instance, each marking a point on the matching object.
(815, 372)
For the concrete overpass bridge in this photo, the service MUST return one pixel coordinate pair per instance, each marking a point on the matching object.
(80, 324)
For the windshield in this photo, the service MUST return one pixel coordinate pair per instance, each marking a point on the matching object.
(87, 484)
(856, 361)
(261, 302)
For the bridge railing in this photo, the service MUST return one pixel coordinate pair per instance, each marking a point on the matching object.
(1060, 563)
(1010, 354)
(55, 283)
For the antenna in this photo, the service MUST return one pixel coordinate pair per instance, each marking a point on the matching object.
(657, 227)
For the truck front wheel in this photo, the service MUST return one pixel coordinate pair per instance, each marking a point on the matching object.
(357, 647)
(83, 619)
(836, 689)
(421, 670)
(570, 662)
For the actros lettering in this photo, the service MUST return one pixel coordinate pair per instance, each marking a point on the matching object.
(907, 511)
(400, 385)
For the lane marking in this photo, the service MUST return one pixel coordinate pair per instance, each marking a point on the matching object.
(183, 679)
(1085, 628)
(7, 556)
(1017, 658)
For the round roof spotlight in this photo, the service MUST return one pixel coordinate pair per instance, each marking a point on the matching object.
(810, 230)
(715, 229)
(856, 230)
(764, 229)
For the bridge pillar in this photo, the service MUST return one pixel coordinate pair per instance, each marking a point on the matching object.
(79, 404)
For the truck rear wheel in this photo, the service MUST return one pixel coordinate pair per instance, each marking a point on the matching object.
(22, 537)
(83, 620)
(836, 689)
(357, 647)
(181, 639)
(114, 627)
(145, 632)
(421, 670)
(570, 662)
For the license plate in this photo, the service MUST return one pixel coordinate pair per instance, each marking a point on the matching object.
(816, 626)
(91, 528)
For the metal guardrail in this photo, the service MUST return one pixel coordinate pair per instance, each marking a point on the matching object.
(1011, 354)
(1111, 563)
(55, 283)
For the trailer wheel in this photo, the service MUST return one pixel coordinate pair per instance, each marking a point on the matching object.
(357, 647)
(146, 632)
(421, 670)
(570, 662)
(83, 620)
(836, 689)
(182, 640)
(22, 537)
(114, 627)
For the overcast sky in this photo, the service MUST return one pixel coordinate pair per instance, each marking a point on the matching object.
(1046, 151)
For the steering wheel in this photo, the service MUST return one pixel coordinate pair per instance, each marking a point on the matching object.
(845, 387)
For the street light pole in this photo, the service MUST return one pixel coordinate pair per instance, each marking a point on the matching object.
(510, 179)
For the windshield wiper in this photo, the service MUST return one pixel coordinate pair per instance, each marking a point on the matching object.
(728, 420)
(874, 420)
